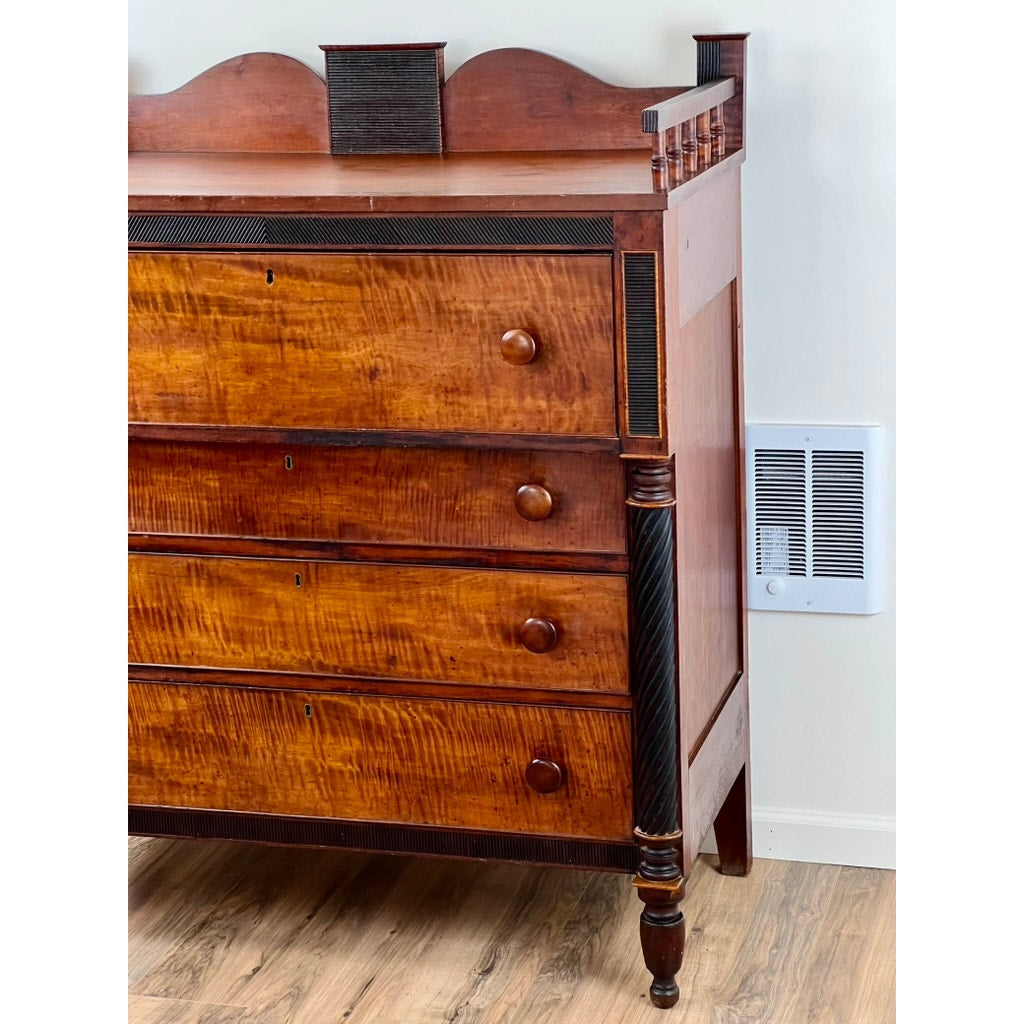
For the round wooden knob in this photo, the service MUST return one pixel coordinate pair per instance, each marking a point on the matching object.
(543, 775)
(538, 635)
(518, 347)
(534, 502)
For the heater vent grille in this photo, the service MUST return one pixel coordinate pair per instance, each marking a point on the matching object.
(813, 514)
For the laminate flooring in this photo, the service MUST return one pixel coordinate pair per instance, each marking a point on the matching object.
(223, 933)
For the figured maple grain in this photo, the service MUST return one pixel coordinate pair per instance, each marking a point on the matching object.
(376, 495)
(378, 758)
(402, 622)
(518, 99)
(257, 103)
(371, 341)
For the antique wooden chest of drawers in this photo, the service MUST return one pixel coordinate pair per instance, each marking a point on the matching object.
(435, 444)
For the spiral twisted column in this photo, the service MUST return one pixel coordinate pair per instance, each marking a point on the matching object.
(652, 618)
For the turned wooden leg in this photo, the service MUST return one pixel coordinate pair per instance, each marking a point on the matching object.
(662, 926)
(732, 828)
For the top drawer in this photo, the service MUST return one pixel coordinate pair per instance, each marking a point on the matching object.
(379, 342)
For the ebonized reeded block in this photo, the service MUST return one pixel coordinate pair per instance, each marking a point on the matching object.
(385, 99)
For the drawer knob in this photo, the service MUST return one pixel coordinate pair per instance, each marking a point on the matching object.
(534, 502)
(538, 635)
(543, 775)
(518, 347)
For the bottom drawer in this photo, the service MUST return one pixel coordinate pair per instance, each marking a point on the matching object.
(451, 763)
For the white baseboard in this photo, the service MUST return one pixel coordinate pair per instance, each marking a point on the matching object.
(854, 840)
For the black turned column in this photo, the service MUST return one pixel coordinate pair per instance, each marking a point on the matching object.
(652, 620)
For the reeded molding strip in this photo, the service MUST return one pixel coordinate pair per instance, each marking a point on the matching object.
(640, 288)
(390, 838)
(199, 229)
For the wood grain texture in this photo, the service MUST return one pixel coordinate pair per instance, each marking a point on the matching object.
(703, 238)
(703, 432)
(421, 497)
(569, 696)
(151, 1010)
(480, 558)
(257, 103)
(516, 99)
(418, 183)
(377, 758)
(303, 937)
(715, 767)
(375, 341)
(671, 112)
(394, 621)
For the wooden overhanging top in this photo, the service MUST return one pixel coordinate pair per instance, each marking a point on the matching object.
(320, 183)
(521, 130)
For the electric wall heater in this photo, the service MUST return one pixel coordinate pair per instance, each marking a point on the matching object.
(814, 534)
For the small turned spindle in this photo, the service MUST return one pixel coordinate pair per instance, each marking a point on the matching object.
(518, 347)
(534, 502)
(675, 155)
(659, 162)
(544, 776)
(704, 137)
(689, 146)
(538, 635)
(718, 131)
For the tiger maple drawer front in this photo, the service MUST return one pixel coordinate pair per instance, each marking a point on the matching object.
(385, 342)
(503, 628)
(453, 763)
(447, 497)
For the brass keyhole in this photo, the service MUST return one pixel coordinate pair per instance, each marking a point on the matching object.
(270, 276)
(298, 579)
(288, 464)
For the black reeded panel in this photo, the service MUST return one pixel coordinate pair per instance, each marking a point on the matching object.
(360, 835)
(709, 61)
(653, 670)
(206, 230)
(384, 101)
(189, 229)
(642, 389)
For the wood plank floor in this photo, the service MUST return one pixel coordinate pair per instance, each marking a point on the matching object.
(224, 933)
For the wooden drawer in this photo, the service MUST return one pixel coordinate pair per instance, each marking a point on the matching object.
(384, 342)
(442, 497)
(454, 763)
(389, 621)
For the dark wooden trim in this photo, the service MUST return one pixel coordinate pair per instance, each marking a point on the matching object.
(401, 438)
(384, 837)
(583, 700)
(379, 47)
(652, 637)
(660, 885)
(733, 833)
(407, 554)
(147, 200)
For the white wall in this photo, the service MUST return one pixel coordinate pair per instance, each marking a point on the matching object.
(819, 295)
